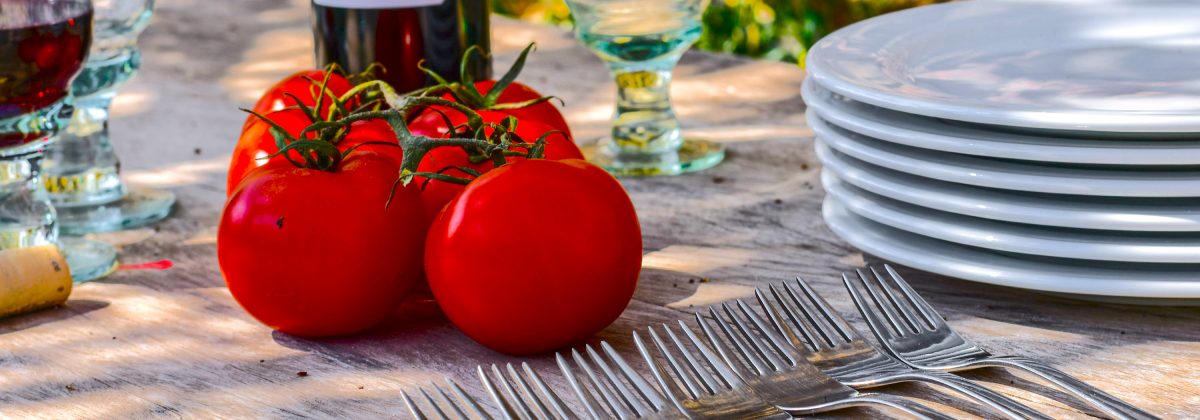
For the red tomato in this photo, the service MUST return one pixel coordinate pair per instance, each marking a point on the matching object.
(572, 269)
(545, 112)
(437, 193)
(256, 142)
(316, 253)
(274, 99)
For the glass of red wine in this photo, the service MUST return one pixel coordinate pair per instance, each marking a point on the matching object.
(43, 45)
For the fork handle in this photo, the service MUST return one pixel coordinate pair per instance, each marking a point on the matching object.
(1109, 404)
(1000, 403)
(907, 406)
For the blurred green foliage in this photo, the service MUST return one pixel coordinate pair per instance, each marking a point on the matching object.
(771, 29)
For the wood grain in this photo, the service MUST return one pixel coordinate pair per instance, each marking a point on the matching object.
(173, 343)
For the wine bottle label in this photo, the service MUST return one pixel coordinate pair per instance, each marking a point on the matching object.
(378, 4)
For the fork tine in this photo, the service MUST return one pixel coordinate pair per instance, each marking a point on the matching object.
(631, 399)
(648, 393)
(669, 387)
(494, 392)
(528, 391)
(874, 320)
(436, 407)
(412, 407)
(772, 337)
(617, 408)
(690, 385)
(736, 366)
(723, 370)
(707, 379)
(738, 345)
(755, 343)
(789, 322)
(888, 311)
(449, 401)
(931, 316)
(905, 309)
(466, 398)
(514, 397)
(552, 398)
(589, 402)
(839, 324)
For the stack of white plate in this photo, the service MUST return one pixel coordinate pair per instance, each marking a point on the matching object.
(1048, 145)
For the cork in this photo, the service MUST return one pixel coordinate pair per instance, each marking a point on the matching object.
(32, 278)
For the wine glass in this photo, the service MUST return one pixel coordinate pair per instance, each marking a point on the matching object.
(43, 44)
(641, 40)
(81, 171)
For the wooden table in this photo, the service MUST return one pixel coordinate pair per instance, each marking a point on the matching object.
(173, 343)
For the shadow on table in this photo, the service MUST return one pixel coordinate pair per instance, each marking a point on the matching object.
(73, 308)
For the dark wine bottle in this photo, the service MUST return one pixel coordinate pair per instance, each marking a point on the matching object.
(399, 34)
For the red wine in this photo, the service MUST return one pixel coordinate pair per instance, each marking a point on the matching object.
(400, 33)
(38, 59)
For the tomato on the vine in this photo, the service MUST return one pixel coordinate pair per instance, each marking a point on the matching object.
(506, 96)
(432, 124)
(543, 112)
(535, 255)
(317, 253)
(301, 85)
(257, 142)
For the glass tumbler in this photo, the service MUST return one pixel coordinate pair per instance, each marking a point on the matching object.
(82, 170)
(641, 41)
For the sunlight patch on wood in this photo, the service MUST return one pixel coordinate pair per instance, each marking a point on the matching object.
(986, 327)
(187, 173)
(122, 237)
(206, 237)
(712, 293)
(131, 102)
(696, 260)
(270, 57)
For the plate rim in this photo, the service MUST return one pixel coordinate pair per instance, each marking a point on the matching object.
(1078, 247)
(1094, 121)
(993, 209)
(926, 133)
(1018, 177)
(1031, 278)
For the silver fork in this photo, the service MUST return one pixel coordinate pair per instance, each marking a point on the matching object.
(696, 391)
(913, 331)
(638, 399)
(445, 403)
(781, 374)
(517, 399)
(837, 349)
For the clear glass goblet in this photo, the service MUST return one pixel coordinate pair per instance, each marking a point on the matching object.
(82, 170)
(641, 41)
(43, 45)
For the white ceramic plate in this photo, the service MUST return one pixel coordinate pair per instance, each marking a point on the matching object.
(1091, 278)
(1013, 237)
(1114, 66)
(970, 139)
(1007, 175)
(1071, 211)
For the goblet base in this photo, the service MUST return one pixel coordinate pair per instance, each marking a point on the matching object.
(693, 155)
(139, 207)
(88, 259)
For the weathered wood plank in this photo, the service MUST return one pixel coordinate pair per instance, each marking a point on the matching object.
(174, 344)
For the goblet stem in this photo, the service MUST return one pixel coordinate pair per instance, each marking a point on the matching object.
(83, 166)
(26, 217)
(644, 121)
